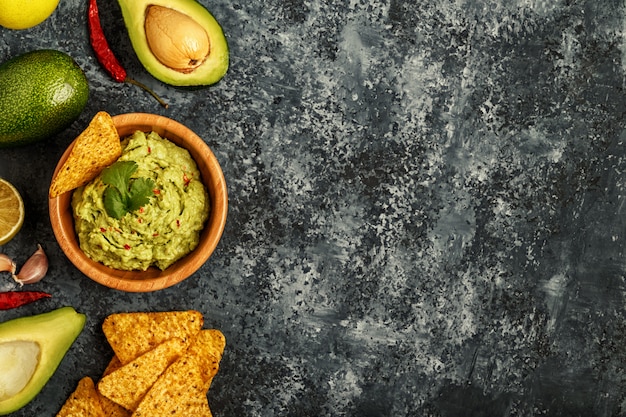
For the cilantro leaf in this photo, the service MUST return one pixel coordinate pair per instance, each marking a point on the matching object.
(124, 193)
(114, 203)
(118, 175)
(140, 193)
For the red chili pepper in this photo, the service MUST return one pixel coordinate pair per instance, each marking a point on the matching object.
(13, 299)
(105, 55)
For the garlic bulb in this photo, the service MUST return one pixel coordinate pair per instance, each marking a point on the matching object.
(34, 269)
(6, 264)
(175, 39)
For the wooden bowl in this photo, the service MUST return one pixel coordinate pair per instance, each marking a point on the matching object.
(152, 279)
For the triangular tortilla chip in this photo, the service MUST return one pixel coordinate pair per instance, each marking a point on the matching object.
(132, 334)
(84, 401)
(187, 403)
(97, 147)
(181, 389)
(208, 342)
(127, 385)
(114, 364)
(110, 408)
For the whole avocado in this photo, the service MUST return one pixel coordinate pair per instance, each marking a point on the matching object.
(41, 93)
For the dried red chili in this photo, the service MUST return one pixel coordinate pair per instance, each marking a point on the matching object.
(13, 299)
(105, 55)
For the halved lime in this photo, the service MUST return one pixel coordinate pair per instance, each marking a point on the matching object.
(11, 211)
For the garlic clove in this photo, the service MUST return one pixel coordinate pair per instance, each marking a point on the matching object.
(175, 39)
(34, 269)
(7, 264)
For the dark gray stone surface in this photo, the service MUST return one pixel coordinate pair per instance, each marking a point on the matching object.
(426, 207)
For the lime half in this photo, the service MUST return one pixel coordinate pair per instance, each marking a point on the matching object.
(11, 211)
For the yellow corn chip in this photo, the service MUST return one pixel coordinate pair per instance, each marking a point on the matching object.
(110, 408)
(208, 342)
(132, 334)
(190, 402)
(113, 365)
(97, 147)
(84, 401)
(127, 385)
(181, 389)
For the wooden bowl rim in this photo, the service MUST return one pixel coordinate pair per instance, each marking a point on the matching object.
(153, 279)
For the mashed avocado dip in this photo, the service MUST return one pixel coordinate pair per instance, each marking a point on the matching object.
(160, 232)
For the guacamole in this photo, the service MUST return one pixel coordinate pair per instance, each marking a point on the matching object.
(160, 232)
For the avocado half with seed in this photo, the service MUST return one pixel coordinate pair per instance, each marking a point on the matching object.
(31, 349)
(179, 42)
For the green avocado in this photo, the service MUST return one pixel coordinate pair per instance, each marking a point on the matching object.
(31, 349)
(179, 42)
(41, 93)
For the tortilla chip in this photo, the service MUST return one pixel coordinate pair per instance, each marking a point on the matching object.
(113, 365)
(208, 342)
(97, 147)
(188, 403)
(110, 408)
(181, 389)
(127, 385)
(84, 401)
(132, 334)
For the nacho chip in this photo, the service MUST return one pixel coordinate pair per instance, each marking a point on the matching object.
(208, 342)
(132, 334)
(84, 401)
(127, 385)
(97, 147)
(190, 402)
(110, 408)
(114, 364)
(181, 389)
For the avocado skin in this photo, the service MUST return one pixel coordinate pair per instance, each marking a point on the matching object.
(41, 93)
(55, 332)
(210, 72)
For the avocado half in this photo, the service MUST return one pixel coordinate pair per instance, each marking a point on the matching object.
(32, 349)
(212, 69)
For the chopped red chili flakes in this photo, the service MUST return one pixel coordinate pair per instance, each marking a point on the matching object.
(103, 230)
(186, 179)
(177, 223)
(156, 191)
(127, 246)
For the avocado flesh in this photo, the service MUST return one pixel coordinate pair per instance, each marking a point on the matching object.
(211, 70)
(40, 342)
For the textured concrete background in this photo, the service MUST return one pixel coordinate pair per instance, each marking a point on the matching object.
(426, 206)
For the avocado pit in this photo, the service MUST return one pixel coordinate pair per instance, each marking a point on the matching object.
(175, 39)
(18, 360)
